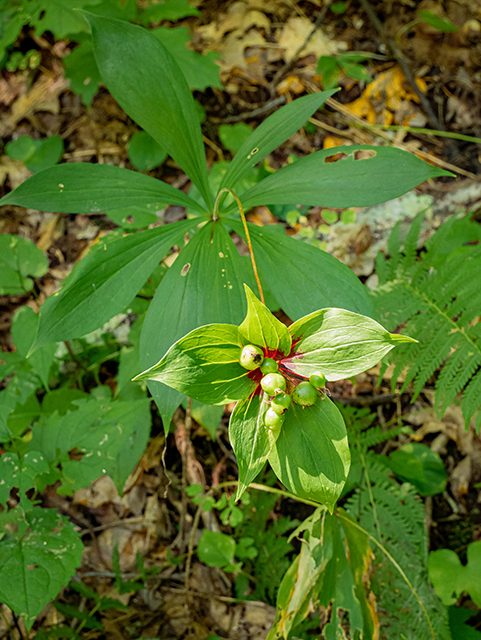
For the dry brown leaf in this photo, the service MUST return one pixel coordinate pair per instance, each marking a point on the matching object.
(291, 83)
(294, 34)
(14, 169)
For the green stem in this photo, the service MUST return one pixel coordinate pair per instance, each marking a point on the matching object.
(429, 132)
(215, 217)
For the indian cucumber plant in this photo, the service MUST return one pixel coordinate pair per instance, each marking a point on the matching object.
(205, 334)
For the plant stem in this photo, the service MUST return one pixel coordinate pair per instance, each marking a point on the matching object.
(248, 238)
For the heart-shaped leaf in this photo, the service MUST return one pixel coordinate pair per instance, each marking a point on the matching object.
(338, 343)
(311, 455)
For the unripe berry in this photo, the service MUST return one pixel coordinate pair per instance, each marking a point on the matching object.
(251, 357)
(281, 403)
(273, 383)
(318, 380)
(269, 366)
(273, 419)
(304, 394)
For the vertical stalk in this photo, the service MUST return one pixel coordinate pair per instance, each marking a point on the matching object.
(248, 238)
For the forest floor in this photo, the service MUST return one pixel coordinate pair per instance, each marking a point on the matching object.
(419, 78)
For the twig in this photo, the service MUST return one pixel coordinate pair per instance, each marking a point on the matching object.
(190, 548)
(292, 62)
(185, 460)
(246, 115)
(400, 57)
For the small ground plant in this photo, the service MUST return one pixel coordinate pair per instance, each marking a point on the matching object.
(204, 334)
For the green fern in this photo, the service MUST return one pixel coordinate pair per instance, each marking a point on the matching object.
(437, 300)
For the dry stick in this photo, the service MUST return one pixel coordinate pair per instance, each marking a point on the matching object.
(248, 238)
(398, 54)
(272, 104)
(185, 457)
(290, 65)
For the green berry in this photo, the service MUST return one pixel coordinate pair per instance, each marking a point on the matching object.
(269, 366)
(318, 380)
(304, 394)
(251, 357)
(281, 403)
(273, 383)
(273, 419)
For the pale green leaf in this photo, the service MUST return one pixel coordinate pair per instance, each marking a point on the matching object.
(338, 343)
(263, 329)
(450, 578)
(311, 455)
(216, 549)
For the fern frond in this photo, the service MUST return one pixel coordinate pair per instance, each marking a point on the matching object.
(437, 299)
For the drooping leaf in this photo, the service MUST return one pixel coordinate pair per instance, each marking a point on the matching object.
(80, 187)
(303, 278)
(263, 329)
(38, 562)
(104, 282)
(351, 181)
(204, 365)
(149, 85)
(311, 455)
(338, 343)
(203, 286)
(250, 438)
(275, 130)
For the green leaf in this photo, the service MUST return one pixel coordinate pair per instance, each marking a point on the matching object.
(199, 70)
(204, 365)
(263, 329)
(60, 17)
(21, 148)
(82, 71)
(144, 152)
(80, 187)
(203, 286)
(100, 430)
(421, 466)
(148, 84)
(303, 278)
(169, 10)
(250, 438)
(311, 455)
(208, 416)
(338, 343)
(450, 578)
(233, 136)
(132, 218)
(354, 70)
(24, 331)
(275, 130)
(47, 153)
(20, 473)
(37, 563)
(441, 24)
(19, 258)
(216, 549)
(329, 69)
(104, 283)
(460, 630)
(347, 182)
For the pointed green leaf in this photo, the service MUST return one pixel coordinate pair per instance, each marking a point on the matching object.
(348, 182)
(104, 282)
(24, 331)
(311, 455)
(250, 438)
(203, 286)
(80, 187)
(275, 130)
(337, 343)
(263, 329)
(204, 365)
(303, 278)
(149, 85)
(37, 563)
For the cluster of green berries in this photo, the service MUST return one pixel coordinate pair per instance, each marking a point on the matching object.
(274, 384)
